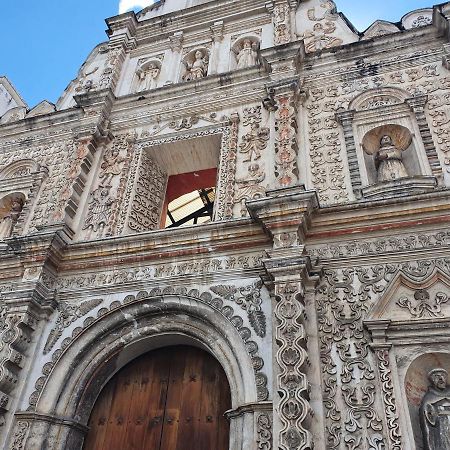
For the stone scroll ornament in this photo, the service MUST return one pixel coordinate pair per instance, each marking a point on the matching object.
(249, 299)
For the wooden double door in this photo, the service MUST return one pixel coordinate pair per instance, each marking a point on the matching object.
(173, 398)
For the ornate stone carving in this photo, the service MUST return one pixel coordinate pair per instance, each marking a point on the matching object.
(20, 434)
(227, 170)
(389, 161)
(281, 23)
(254, 142)
(249, 299)
(248, 54)
(264, 431)
(285, 99)
(389, 400)
(321, 37)
(249, 188)
(435, 412)
(147, 76)
(157, 296)
(423, 306)
(422, 21)
(150, 188)
(99, 209)
(291, 357)
(8, 222)
(68, 314)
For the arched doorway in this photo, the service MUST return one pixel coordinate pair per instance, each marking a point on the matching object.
(172, 398)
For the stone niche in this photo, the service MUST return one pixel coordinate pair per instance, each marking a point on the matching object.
(388, 112)
(410, 323)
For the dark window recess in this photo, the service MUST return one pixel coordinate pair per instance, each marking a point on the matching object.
(191, 209)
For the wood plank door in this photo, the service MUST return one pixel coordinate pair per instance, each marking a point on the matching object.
(173, 398)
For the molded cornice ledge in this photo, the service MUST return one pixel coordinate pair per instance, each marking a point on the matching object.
(123, 28)
(285, 215)
(283, 61)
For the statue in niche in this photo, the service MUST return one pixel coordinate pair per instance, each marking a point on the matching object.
(254, 142)
(11, 218)
(248, 55)
(389, 161)
(198, 69)
(147, 77)
(99, 210)
(435, 412)
(250, 187)
(320, 37)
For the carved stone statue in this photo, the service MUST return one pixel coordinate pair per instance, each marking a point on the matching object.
(435, 412)
(248, 56)
(198, 69)
(147, 77)
(10, 219)
(111, 166)
(389, 161)
(320, 38)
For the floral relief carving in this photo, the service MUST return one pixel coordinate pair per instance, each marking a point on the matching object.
(423, 305)
(68, 314)
(20, 434)
(249, 299)
(282, 23)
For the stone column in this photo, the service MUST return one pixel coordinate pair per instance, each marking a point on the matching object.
(217, 38)
(345, 118)
(285, 216)
(176, 44)
(417, 106)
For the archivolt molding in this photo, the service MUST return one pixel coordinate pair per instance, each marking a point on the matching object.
(148, 314)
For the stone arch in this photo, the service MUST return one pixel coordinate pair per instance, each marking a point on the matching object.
(416, 385)
(379, 97)
(20, 168)
(80, 369)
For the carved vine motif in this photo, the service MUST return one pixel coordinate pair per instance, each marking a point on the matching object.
(249, 299)
(423, 306)
(68, 314)
(150, 188)
(327, 167)
(282, 23)
(264, 432)
(154, 298)
(291, 357)
(389, 399)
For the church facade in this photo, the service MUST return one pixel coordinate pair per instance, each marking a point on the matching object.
(231, 232)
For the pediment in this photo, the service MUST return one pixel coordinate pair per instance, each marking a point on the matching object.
(9, 97)
(380, 28)
(418, 18)
(407, 300)
(13, 115)
(45, 107)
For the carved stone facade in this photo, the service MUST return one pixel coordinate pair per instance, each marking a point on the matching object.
(321, 281)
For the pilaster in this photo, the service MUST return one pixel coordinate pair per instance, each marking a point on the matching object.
(285, 215)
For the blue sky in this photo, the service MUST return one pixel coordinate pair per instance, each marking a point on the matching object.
(45, 42)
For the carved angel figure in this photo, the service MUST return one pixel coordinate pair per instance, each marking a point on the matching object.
(10, 219)
(254, 142)
(111, 166)
(248, 56)
(147, 77)
(198, 69)
(389, 161)
(435, 412)
(319, 39)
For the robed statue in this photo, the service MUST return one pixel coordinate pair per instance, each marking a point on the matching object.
(389, 161)
(435, 412)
